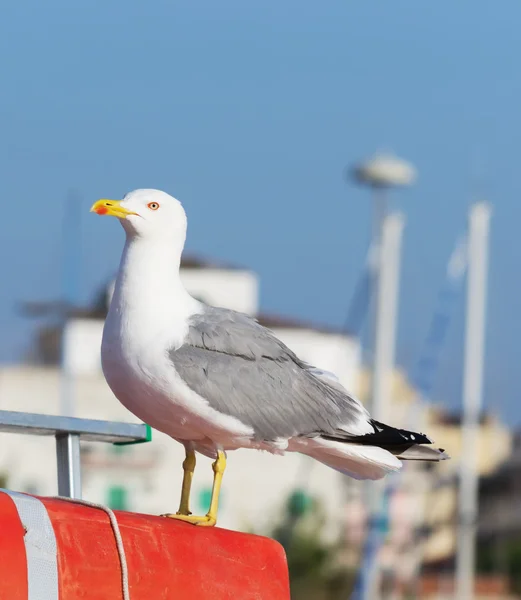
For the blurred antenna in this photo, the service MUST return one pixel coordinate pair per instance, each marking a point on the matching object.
(361, 299)
(423, 378)
(479, 181)
(71, 265)
(426, 368)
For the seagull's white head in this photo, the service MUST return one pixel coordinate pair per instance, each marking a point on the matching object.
(147, 214)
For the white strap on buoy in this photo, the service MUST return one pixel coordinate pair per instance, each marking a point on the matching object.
(40, 547)
(125, 587)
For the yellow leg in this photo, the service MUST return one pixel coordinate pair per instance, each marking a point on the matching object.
(210, 519)
(188, 468)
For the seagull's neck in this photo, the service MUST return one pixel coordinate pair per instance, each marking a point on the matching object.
(148, 295)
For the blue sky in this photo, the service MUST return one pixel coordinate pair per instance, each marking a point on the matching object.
(249, 112)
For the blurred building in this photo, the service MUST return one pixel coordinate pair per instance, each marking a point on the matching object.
(147, 477)
(499, 524)
(420, 526)
(495, 446)
(500, 499)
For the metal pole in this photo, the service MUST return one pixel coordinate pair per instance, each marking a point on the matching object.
(479, 223)
(379, 209)
(69, 464)
(386, 312)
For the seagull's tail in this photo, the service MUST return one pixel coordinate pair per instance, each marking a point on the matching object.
(420, 452)
(406, 445)
(359, 462)
(374, 455)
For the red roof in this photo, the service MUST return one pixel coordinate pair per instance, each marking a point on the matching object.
(278, 321)
(193, 261)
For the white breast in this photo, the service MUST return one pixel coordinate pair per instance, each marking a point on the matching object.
(147, 318)
(139, 372)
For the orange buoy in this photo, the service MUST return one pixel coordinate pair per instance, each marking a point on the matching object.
(60, 550)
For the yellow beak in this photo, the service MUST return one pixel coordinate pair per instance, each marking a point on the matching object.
(111, 208)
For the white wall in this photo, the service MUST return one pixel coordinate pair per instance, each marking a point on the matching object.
(238, 290)
(82, 341)
(334, 352)
(228, 288)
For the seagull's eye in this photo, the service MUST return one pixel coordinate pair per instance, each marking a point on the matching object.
(153, 205)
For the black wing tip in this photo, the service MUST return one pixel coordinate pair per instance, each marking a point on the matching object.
(398, 436)
(384, 436)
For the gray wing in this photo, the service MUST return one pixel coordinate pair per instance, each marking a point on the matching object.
(244, 371)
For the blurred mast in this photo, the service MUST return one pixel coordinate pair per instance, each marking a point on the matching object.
(71, 264)
(424, 377)
(361, 299)
(426, 368)
(478, 242)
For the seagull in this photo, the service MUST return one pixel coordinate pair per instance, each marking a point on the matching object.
(215, 380)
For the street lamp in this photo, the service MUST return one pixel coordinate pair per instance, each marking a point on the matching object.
(384, 171)
(381, 173)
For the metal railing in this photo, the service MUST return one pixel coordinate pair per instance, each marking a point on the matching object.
(68, 432)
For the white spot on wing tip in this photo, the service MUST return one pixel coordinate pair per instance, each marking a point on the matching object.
(361, 427)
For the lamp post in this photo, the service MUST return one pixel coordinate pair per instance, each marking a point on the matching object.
(380, 174)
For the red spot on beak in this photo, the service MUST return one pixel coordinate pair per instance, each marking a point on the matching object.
(101, 210)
